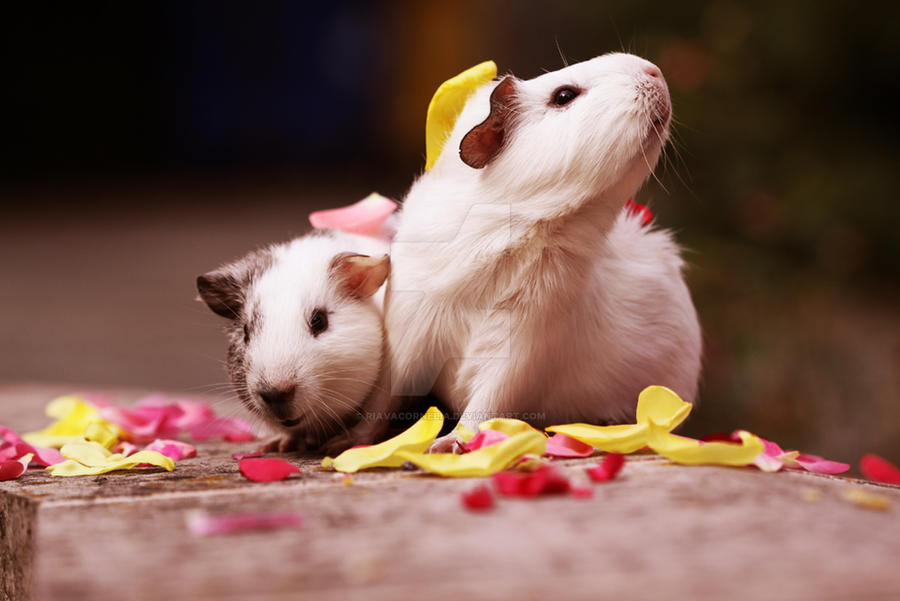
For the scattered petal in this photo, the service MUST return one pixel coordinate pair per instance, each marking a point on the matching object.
(560, 445)
(483, 462)
(479, 498)
(485, 438)
(365, 217)
(88, 458)
(688, 451)
(867, 499)
(607, 469)
(73, 416)
(175, 449)
(126, 448)
(13, 468)
(104, 434)
(879, 469)
(814, 463)
(267, 469)
(446, 105)
(507, 425)
(347, 480)
(463, 434)
(416, 439)
(582, 492)
(548, 479)
(240, 456)
(12, 447)
(232, 430)
(201, 524)
(811, 495)
(656, 405)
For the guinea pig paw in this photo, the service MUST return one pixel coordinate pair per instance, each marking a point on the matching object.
(447, 444)
(286, 443)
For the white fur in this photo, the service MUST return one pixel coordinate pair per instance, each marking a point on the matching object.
(522, 288)
(333, 372)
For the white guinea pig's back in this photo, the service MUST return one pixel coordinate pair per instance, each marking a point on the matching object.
(640, 299)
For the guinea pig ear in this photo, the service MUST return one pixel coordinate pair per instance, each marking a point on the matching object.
(222, 292)
(360, 276)
(485, 140)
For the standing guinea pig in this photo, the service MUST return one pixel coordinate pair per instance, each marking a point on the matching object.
(521, 287)
(305, 332)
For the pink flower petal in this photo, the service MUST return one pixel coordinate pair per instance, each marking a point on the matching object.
(607, 469)
(547, 479)
(365, 217)
(814, 463)
(232, 430)
(560, 445)
(879, 469)
(207, 525)
(478, 499)
(193, 413)
(240, 456)
(267, 470)
(175, 449)
(485, 438)
(13, 447)
(640, 210)
(126, 448)
(582, 492)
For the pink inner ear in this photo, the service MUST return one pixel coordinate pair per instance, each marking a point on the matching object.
(365, 217)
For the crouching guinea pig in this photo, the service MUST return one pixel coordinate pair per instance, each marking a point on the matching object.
(305, 332)
(520, 286)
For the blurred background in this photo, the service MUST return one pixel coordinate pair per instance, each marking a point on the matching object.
(146, 143)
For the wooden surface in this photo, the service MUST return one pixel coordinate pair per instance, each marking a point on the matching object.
(657, 532)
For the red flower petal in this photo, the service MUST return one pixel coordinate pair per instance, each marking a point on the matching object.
(640, 210)
(582, 492)
(560, 445)
(478, 499)
(240, 456)
(607, 469)
(879, 469)
(267, 470)
(547, 479)
(485, 438)
(11, 468)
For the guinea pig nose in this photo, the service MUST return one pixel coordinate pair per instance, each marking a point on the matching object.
(276, 396)
(653, 71)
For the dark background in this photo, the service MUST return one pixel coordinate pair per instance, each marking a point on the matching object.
(143, 144)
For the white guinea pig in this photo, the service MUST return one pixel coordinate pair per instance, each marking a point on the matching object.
(305, 332)
(520, 287)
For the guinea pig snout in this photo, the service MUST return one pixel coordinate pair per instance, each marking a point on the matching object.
(277, 398)
(654, 94)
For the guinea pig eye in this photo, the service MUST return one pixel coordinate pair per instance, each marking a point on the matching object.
(318, 322)
(246, 334)
(564, 95)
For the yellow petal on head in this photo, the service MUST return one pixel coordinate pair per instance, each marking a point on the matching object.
(688, 451)
(507, 425)
(662, 406)
(483, 462)
(463, 433)
(446, 105)
(625, 438)
(416, 438)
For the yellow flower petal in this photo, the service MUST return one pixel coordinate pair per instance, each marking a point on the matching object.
(463, 433)
(446, 105)
(102, 434)
(661, 406)
(867, 499)
(416, 438)
(507, 425)
(73, 416)
(688, 451)
(483, 462)
(625, 438)
(91, 458)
